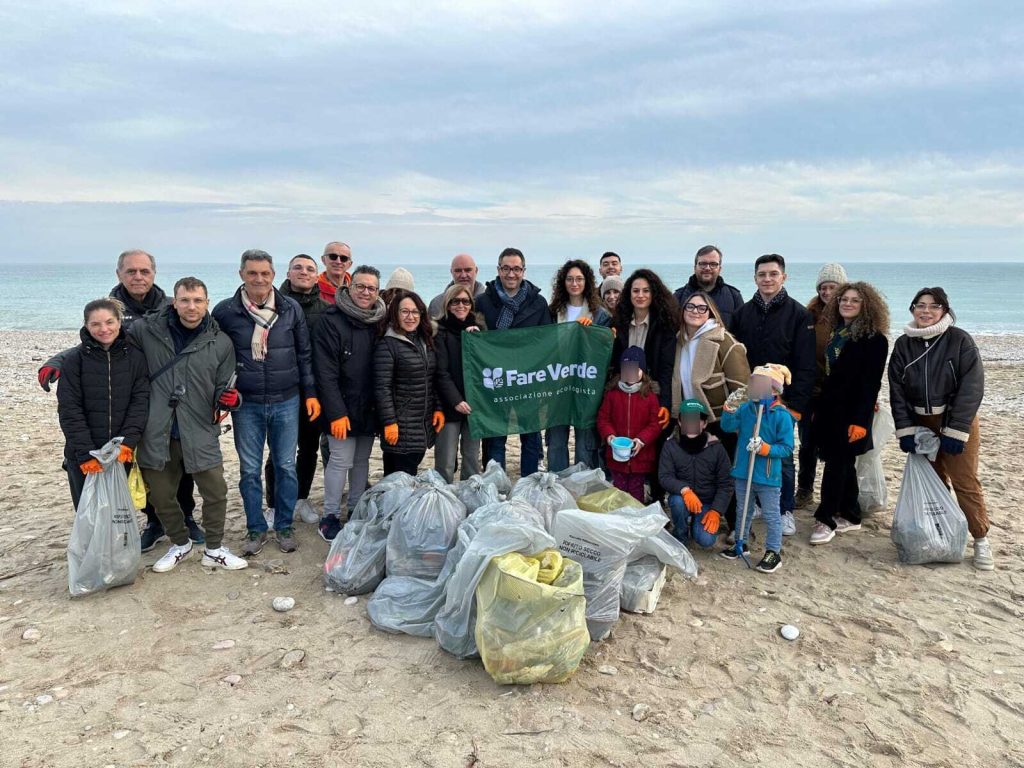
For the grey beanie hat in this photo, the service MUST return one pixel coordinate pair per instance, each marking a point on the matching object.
(400, 278)
(612, 283)
(831, 273)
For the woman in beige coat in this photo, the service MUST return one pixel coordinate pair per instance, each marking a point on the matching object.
(709, 366)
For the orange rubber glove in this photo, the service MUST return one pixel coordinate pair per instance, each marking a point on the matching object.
(711, 521)
(663, 417)
(764, 449)
(584, 321)
(693, 505)
(312, 408)
(391, 434)
(126, 455)
(856, 433)
(90, 467)
(340, 428)
(438, 421)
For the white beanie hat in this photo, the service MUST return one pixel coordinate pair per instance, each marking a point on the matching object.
(831, 273)
(400, 278)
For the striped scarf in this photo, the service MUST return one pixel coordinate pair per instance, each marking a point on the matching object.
(263, 317)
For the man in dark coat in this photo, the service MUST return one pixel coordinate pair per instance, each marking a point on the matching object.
(707, 277)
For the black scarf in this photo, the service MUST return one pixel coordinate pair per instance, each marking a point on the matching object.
(451, 323)
(693, 445)
(778, 298)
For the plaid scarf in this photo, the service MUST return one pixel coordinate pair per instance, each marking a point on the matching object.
(263, 317)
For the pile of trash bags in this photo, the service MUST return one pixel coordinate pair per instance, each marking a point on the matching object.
(518, 575)
(105, 548)
(928, 526)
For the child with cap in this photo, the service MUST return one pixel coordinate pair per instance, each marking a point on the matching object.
(695, 471)
(767, 449)
(630, 409)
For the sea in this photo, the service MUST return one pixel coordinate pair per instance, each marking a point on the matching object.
(987, 297)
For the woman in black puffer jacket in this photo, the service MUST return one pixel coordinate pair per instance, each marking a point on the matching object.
(103, 393)
(404, 368)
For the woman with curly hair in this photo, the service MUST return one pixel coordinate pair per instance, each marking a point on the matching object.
(405, 365)
(854, 364)
(574, 299)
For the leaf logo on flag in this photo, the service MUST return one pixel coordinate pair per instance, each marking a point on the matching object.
(492, 378)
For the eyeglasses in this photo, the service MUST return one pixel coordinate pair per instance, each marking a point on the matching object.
(851, 300)
(338, 257)
(409, 313)
(709, 264)
(700, 309)
(507, 270)
(363, 288)
(575, 280)
(461, 301)
(921, 307)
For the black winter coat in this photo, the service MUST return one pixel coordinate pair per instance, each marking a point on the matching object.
(404, 371)
(102, 394)
(343, 359)
(660, 351)
(848, 396)
(533, 312)
(313, 307)
(706, 473)
(451, 387)
(785, 334)
(727, 298)
(288, 366)
(939, 375)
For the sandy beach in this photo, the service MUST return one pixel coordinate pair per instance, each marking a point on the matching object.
(895, 665)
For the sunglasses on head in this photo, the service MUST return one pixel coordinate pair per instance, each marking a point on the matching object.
(338, 257)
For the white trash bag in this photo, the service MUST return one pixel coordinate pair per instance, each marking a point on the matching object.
(104, 550)
(583, 482)
(476, 492)
(874, 496)
(927, 526)
(543, 492)
(496, 476)
(602, 544)
(422, 531)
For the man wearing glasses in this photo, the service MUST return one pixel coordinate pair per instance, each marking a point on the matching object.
(464, 272)
(511, 301)
(337, 259)
(707, 277)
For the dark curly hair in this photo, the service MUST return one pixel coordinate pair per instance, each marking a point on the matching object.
(425, 329)
(560, 294)
(874, 312)
(664, 310)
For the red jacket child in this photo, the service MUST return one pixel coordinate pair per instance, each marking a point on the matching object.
(633, 415)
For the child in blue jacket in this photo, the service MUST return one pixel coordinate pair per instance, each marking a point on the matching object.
(767, 449)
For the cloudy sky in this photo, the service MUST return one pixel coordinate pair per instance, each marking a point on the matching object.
(820, 129)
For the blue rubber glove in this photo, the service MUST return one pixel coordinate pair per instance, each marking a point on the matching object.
(951, 445)
(907, 444)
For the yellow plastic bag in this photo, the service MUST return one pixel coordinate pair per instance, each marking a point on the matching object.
(136, 486)
(607, 500)
(527, 631)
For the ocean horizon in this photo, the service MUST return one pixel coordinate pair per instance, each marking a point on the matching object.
(43, 297)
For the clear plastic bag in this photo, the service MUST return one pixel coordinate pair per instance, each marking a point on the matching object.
(583, 481)
(407, 604)
(642, 584)
(475, 492)
(874, 495)
(927, 526)
(529, 629)
(494, 529)
(104, 550)
(381, 501)
(602, 545)
(543, 492)
(495, 475)
(422, 531)
(431, 477)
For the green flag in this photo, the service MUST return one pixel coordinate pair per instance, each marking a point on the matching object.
(528, 379)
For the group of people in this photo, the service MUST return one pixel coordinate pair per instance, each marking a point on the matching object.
(321, 366)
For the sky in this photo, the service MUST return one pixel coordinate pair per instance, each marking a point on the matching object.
(822, 130)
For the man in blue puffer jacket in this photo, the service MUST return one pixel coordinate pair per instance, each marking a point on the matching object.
(275, 368)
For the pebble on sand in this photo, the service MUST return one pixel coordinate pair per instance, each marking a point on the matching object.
(789, 632)
(232, 680)
(283, 604)
(351, 600)
(293, 658)
(223, 645)
(641, 712)
(31, 635)
(607, 669)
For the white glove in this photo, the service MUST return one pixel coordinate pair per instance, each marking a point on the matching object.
(637, 446)
(755, 444)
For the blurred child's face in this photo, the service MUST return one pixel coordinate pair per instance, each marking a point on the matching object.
(630, 373)
(691, 425)
(759, 388)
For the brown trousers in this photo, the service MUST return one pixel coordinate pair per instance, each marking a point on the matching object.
(961, 472)
(163, 490)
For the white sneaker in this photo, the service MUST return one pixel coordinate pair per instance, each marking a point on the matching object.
(845, 526)
(222, 558)
(788, 524)
(174, 556)
(983, 559)
(306, 512)
(269, 516)
(822, 534)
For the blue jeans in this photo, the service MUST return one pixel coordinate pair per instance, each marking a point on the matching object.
(588, 444)
(277, 425)
(494, 448)
(768, 497)
(689, 526)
